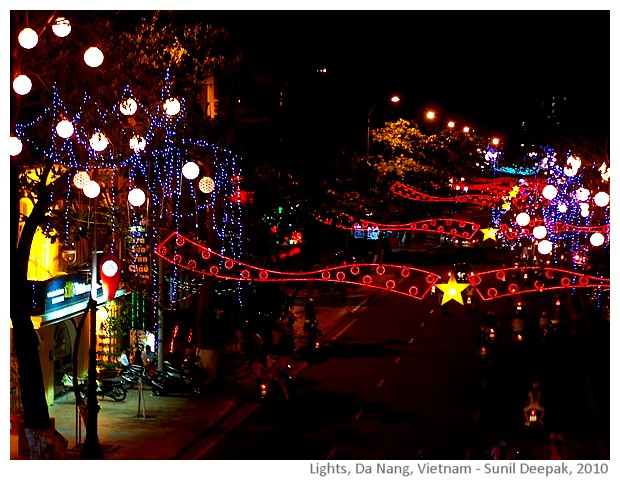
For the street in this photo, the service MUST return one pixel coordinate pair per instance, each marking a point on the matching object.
(403, 380)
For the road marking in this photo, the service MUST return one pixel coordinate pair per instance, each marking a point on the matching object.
(397, 360)
(340, 332)
(381, 382)
(331, 453)
(359, 414)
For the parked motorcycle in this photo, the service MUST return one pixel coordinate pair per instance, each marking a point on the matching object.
(190, 378)
(133, 375)
(108, 387)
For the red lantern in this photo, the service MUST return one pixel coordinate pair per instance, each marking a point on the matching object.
(110, 269)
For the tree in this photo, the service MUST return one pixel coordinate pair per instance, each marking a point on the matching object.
(403, 152)
(42, 170)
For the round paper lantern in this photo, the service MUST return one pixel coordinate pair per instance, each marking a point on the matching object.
(64, 129)
(582, 194)
(545, 247)
(206, 185)
(93, 57)
(190, 170)
(597, 239)
(22, 85)
(523, 219)
(28, 38)
(15, 146)
(136, 197)
(99, 142)
(549, 192)
(128, 107)
(81, 179)
(172, 106)
(601, 199)
(539, 232)
(92, 189)
(61, 27)
(137, 143)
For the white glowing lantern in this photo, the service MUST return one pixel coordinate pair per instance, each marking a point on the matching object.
(128, 107)
(523, 219)
(172, 106)
(15, 146)
(601, 199)
(572, 165)
(64, 129)
(597, 239)
(206, 185)
(92, 189)
(549, 192)
(61, 27)
(190, 170)
(137, 143)
(22, 85)
(539, 232)
(28, 38)
(136, 197)
(81, 179)
(93, 57)
(545, 247)
(562, 208)
(582, 194)
(604, 172)
(99, 142)
(585, 209)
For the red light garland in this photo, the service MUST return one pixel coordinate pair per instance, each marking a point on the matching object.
(404, 280)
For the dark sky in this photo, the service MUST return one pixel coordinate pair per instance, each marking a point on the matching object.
(484, 65)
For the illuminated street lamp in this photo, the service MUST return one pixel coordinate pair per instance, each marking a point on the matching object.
(394, 99)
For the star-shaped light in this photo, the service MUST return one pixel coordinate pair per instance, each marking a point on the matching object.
(489, 233)
(514, 192)
(452, 290)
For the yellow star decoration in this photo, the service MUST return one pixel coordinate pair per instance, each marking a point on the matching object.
(489, 233)
(452, 290)
(514, 192)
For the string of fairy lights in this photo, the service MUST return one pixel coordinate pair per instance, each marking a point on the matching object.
(96, 143)
(561, 209)
(162, 173)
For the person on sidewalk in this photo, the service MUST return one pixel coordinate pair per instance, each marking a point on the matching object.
(137, 356)
(148, 356)
(124, 360)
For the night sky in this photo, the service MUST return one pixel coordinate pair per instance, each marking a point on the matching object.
(488, 67)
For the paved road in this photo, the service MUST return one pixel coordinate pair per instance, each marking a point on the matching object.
(403, 381)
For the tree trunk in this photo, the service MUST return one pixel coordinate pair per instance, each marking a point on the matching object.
(43, 441)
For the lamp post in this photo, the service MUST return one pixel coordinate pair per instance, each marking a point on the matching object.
(395, 99)
(92, 448)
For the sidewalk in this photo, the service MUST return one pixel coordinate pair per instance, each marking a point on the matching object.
(154, 427)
